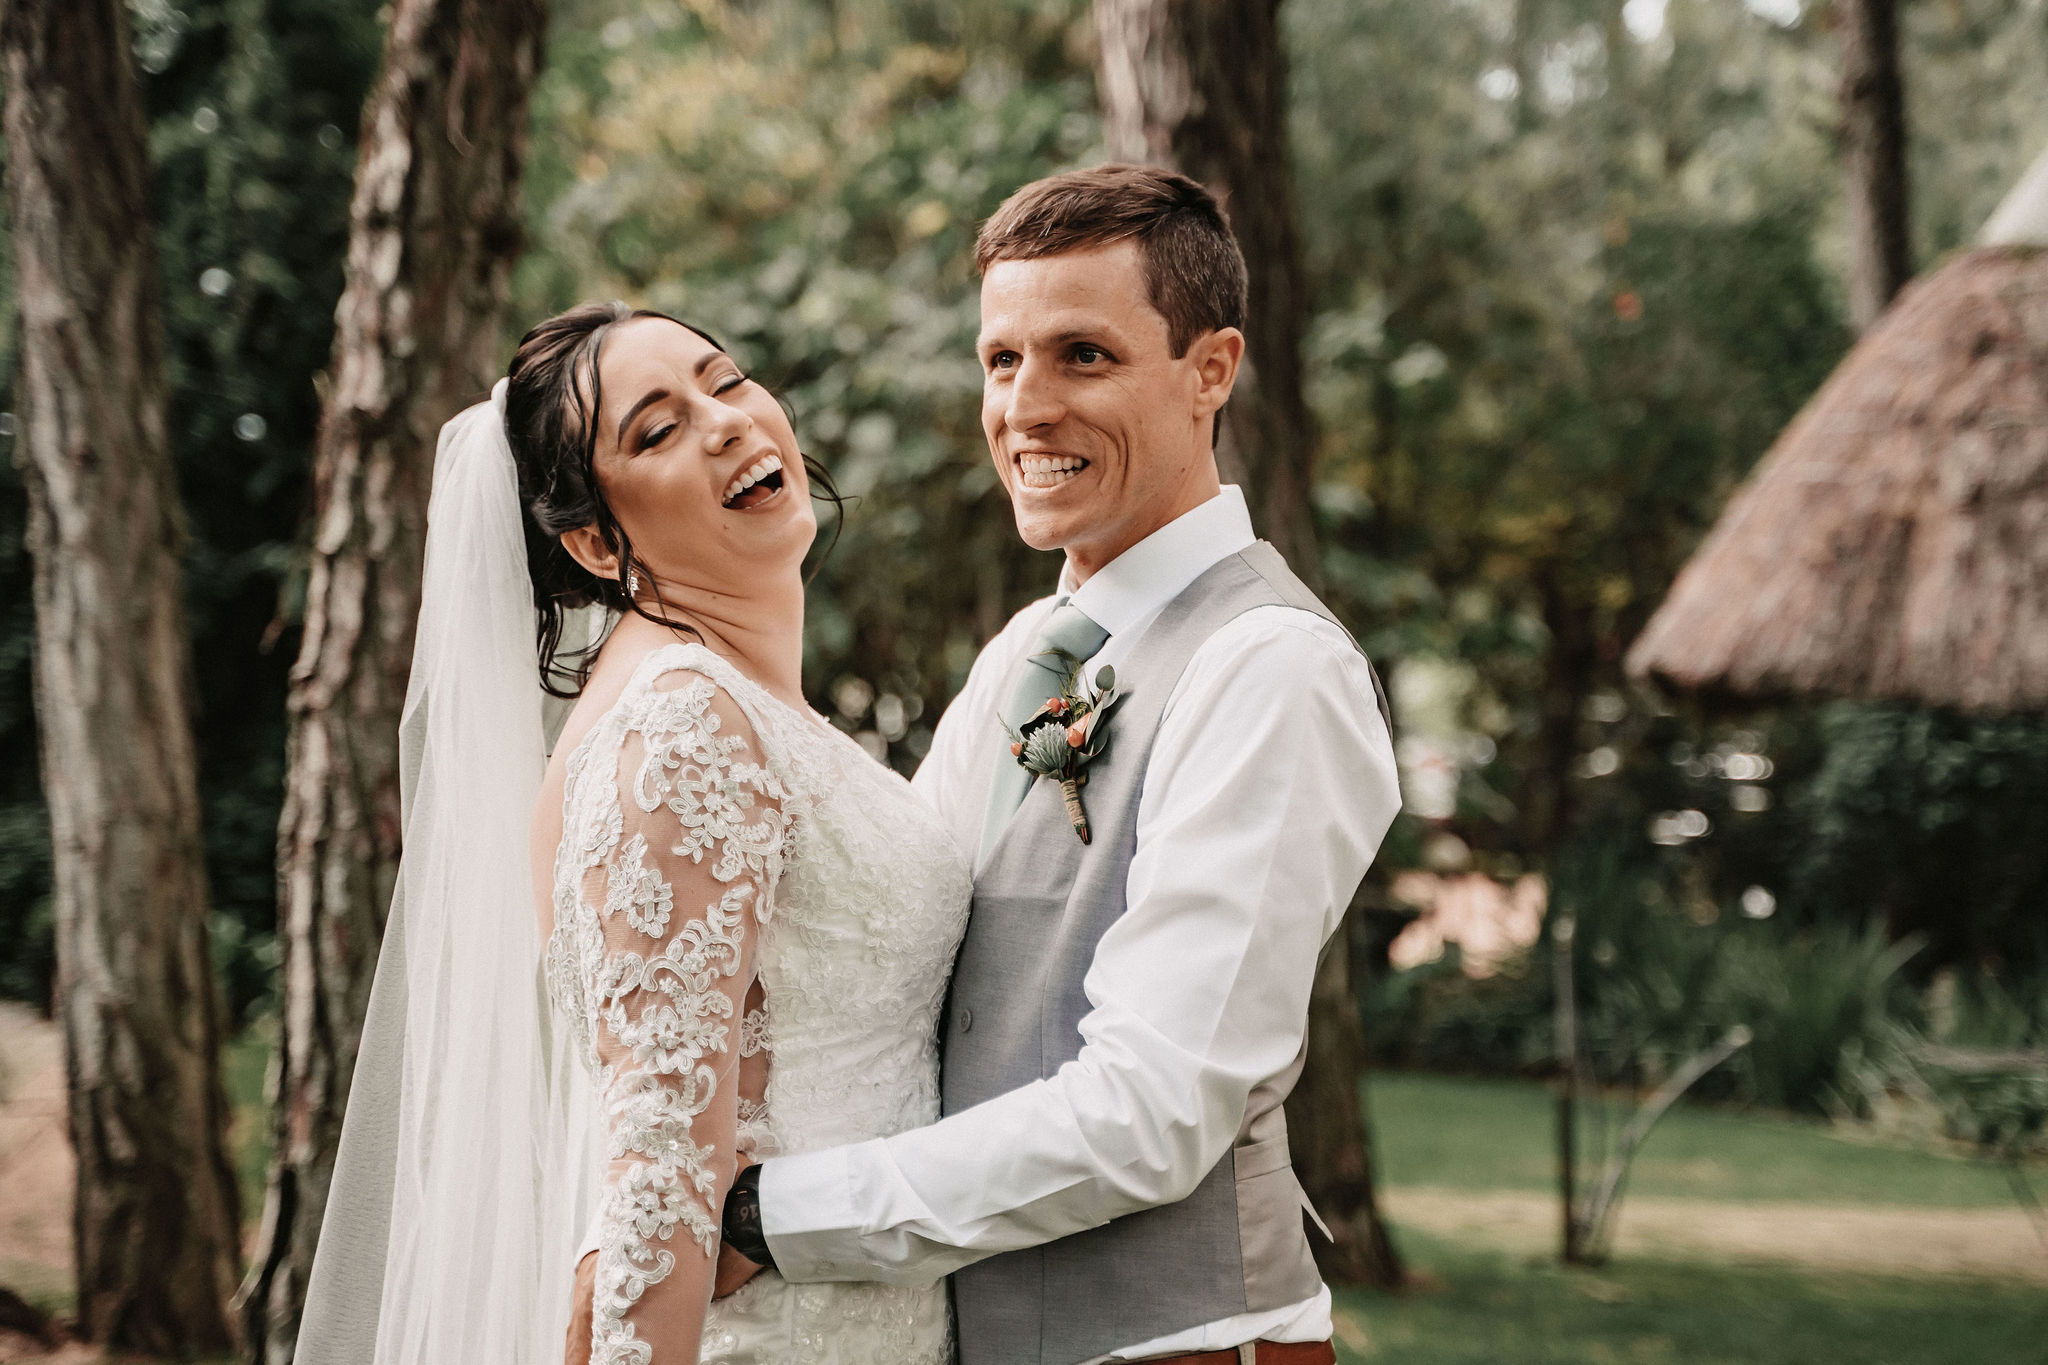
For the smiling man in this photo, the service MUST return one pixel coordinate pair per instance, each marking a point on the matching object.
(1111, 1181)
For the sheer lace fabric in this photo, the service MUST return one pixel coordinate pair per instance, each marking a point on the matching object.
(754, 923)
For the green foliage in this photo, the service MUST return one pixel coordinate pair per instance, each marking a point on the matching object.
(27, 926)
(1986, 1063)
(1661, 973)
(805, 181)
(1549, 345)
(1571, 281)
(1826, 1008)
(1435, 1018)
(253, 117)
(1936, 821)
(27, 951)
(1659, 981)
(1567, 282)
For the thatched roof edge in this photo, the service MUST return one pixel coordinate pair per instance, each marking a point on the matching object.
(1893, 542)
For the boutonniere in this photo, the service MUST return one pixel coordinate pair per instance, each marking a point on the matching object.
(1067, 733)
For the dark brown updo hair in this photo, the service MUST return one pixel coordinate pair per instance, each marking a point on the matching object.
(553, 395)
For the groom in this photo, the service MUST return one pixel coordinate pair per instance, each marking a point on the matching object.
(1111, 1181)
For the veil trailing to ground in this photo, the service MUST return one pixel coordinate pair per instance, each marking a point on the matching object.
(466, 1172)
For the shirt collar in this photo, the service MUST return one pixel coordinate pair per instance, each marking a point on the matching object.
(1131, 588)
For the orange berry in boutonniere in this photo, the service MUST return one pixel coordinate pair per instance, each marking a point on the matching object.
(1056, 706)
(1017, 749)
(1077, 734)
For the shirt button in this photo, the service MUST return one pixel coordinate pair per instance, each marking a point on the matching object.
(966, 1021)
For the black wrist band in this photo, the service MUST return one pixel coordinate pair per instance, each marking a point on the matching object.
(741, 1224)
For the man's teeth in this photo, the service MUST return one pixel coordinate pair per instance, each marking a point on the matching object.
(751, 475)
(1049, 471)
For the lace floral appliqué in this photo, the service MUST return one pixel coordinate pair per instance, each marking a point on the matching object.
(657, 982)
(868, 900)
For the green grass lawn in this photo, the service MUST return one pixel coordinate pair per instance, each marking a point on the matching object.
(1482, 1307)
(1488, 1309)
(1500, 1135)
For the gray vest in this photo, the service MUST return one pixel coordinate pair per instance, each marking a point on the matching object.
(1042, 901)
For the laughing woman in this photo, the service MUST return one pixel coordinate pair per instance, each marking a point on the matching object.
(750, 920)
(743, 923)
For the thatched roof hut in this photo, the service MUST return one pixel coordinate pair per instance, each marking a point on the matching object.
(1893, 542)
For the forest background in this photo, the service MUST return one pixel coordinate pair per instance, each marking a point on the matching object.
(1572, 265)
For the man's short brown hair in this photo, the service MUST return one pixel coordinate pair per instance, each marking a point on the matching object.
(1194, 272)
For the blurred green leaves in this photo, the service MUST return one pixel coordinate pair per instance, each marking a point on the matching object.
(805, 181)
(1569, 278)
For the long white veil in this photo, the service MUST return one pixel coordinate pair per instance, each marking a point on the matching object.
(465, 1175)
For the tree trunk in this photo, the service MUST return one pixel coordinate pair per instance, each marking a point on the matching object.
(434, 230)
(1873, 156)
(155, 1222)
(1328, 1133)
(1200, 85)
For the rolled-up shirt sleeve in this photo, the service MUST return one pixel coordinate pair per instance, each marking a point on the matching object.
(1270, 786)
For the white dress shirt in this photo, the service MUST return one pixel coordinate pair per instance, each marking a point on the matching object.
(1269, 787)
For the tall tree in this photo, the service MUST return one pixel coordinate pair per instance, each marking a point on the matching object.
(155, 1219)
(1200, 85)
(434, 231)
(1873, 156)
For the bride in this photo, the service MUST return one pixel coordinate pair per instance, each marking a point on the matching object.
(742, 924)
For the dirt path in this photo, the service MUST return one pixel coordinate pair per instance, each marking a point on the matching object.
(35, 1173)
(2000, 1243)
(35, 1155)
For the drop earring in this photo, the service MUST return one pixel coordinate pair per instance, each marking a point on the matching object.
(632, 581)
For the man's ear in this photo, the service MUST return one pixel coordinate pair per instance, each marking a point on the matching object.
(1217, 357)
(586, 546)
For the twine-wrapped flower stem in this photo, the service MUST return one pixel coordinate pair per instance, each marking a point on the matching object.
(1066, 734)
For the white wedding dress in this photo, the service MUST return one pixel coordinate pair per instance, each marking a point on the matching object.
(714, 837)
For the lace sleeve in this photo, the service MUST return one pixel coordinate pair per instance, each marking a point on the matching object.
(682, 898)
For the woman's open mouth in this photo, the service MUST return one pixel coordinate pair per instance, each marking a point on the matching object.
(1038, 470)
(758, 483)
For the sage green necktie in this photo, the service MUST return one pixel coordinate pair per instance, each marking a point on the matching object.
(1067, 628)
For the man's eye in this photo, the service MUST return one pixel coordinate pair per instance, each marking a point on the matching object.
(1002, 360)
(1088, 355)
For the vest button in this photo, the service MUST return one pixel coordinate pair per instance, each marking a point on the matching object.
(966, 1020)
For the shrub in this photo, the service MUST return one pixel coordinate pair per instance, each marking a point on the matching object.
(1827, 1008)
(1985, 1063)
(1659, 979)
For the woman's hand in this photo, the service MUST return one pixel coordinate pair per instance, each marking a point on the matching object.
(576, 1351)
(733, 1271)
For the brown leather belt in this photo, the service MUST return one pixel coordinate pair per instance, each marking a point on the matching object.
(1264, 1352)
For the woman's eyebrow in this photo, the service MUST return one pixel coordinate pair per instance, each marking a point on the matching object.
(704, 362)
(651, 396)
